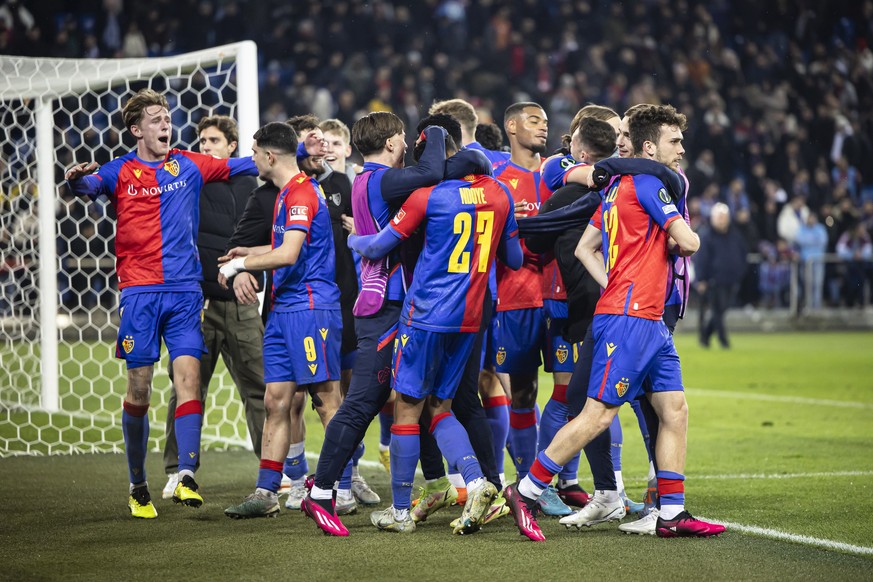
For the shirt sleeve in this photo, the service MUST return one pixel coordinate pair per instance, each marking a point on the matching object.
(597, 218)
(655, 199)
(103, 181)
(301, 204)
(411, 214)
(398, 182)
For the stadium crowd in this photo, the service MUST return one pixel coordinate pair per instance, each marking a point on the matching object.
(779, 95)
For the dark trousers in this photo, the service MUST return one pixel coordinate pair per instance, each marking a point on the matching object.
(467, 408)
(368, 392)
(718, 300)
(236, 332)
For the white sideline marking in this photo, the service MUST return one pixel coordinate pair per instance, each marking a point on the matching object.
(775, 534)
(773, 398)
(785, 475)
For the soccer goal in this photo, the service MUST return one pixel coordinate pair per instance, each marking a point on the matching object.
(60, 385)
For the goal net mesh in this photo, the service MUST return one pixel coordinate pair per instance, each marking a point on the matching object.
(85, 98)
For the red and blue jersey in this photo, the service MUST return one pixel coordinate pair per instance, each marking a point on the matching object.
(633, 217)
(556, 168)
(465, 221)
(495, 157)
(310, 283)
(522, 289)
(158, 214)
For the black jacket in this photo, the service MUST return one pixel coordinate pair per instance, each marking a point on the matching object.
(254, 229)
(221, 206)
(721, 259)
(582, 290)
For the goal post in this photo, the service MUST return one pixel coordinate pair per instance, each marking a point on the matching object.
(58, 293)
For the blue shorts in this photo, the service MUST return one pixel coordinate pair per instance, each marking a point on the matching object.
(302, 346)
(627, 350)
(487, 362)
(520, 339)
(561, 355)
(146, 317)
(430, 363)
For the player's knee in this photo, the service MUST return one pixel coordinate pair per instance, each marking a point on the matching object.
(675, 415)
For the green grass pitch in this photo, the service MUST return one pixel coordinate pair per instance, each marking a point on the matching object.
(779, 447)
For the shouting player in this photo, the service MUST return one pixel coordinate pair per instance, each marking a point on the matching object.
(155, 193)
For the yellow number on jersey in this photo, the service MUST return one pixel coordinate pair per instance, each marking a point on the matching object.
(309, 346)
(459, 261)
(610, 223)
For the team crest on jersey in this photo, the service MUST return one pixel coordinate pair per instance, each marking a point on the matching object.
(514, 183)
(403, 339)
(562, 354)
(383, 375)
(400, 214)
(336, 198)
(610, 347)
(469, 178)
(622, 386)
(323, 331)
(501, 356)
(313, 368)
(127, 344)
(173, 167)
(665, 198)
(137, 172)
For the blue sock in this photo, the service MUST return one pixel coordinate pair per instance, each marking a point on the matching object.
(135, 428)
(345, 480)
(359, 452)
(386, 419)
(553, 419)
(295, 466)
(523, 438)
(455, 445)
(537, 411)
(671, 491)
(189, 420)
(269, 475)
(617, 441)
(644, 428)
(497, 412)
(543, 470)
(405, 449)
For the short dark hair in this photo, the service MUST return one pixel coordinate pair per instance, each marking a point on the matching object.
(516, 109)
(277, 135)
(303, 124)
(597, 137)
(645, 124)
(447, 122)
(490, 136)
(223, 123)
(370, 132)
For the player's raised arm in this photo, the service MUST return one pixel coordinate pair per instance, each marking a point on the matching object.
(397, 183)
(401, 227)
(84, 182)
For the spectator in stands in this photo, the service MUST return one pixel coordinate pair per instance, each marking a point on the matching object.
(791, 217)
(856, 249)
(812, 243)
(720, 264)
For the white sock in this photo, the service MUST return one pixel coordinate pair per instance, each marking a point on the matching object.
(503, 479)
(564, 483)
(475, 484)
(400, 514)
(319, 493)
(266, 492)
(619, 482)
(296, 449)
(529, 489)
(344, 494)
(457, 480)
(606, 495)
(184, 472)
(651, 474)
(671, 511)
(384, 447)
(298, 482)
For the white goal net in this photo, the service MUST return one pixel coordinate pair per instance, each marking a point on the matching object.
(60, 385)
